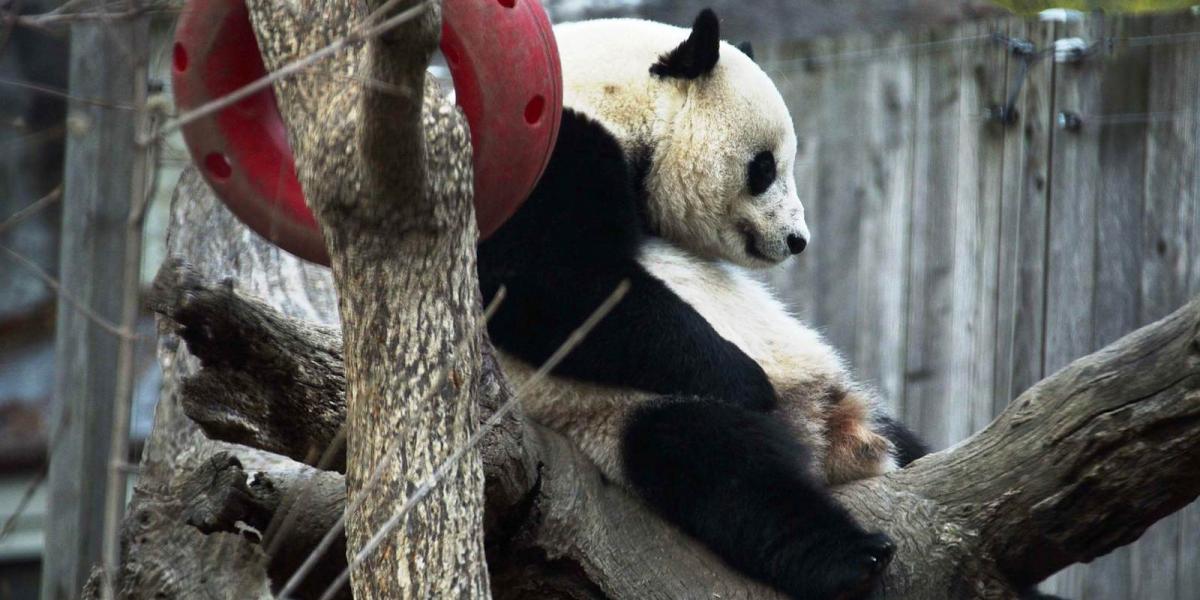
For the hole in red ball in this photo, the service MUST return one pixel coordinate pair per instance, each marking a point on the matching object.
(508, 3)
(217, 165)
(533, 110)
(180, 58)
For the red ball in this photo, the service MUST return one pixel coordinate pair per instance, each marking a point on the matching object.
(507, 79)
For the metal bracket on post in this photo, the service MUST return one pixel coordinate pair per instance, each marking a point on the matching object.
(1027, 54)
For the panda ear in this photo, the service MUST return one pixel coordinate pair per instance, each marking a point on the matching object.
(697, 55)
(746, 49)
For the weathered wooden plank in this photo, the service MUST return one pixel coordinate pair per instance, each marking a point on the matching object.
(971, 361)
(800, 82)
(885, 183)
(1170, 201)
(1078, 256)
(840, 187)
(1188, 576)
(1024, 212)
(1023, 226)
(1074, 186)
(1070, 268)
(98, 183)
(929, 406)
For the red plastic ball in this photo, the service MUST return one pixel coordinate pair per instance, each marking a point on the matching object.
(507, 79)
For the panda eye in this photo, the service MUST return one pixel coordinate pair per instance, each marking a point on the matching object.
(760, 173)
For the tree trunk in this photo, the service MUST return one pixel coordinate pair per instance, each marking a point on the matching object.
(388, 175)
(1051, 482)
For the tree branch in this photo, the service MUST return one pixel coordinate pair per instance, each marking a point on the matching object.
(255, 359)
(219, 497)
(389, 179)
(1052, 482)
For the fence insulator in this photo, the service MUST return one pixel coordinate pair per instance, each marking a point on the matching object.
(1069, 121)
(1071, 50)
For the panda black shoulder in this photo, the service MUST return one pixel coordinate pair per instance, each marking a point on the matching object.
(584, 208)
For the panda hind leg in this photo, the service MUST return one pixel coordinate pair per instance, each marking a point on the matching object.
(908, 446)
(738, 481)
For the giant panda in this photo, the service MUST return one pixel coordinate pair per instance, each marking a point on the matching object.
(698, 392)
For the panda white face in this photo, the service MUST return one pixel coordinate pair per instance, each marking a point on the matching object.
(721, 182)
(765, 223)
(718, 137)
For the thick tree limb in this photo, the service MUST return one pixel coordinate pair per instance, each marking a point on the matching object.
(163, 557)
(1083, 462)
(255, 359)
(1055, 480)
(388, 176)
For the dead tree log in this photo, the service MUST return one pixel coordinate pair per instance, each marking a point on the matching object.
(1080, 464)
(163, 556)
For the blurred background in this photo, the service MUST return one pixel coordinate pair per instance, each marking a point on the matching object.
(993, 190)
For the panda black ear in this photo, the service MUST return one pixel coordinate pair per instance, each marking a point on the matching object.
(697, 55)
(746, 49)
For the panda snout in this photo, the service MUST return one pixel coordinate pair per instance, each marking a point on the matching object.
(796, 243)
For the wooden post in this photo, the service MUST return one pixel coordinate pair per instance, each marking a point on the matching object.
(99, 190)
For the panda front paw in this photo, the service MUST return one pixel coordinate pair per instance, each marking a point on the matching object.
(861, 567)
(845, 569)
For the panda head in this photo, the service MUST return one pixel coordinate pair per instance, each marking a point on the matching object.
(710, 128)
(721, 180)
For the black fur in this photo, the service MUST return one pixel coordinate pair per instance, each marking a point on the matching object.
(739, 480)
(1033, 594)
(722, 468)
(568, 247)
(697, 55)
(718, 464)
(760, 173)
(909, 447)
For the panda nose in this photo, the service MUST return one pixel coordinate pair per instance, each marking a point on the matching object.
(796, 243)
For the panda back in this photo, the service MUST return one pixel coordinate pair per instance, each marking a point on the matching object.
(583, 211)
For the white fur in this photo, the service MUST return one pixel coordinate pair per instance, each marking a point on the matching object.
(742, 310)
(800, 364)
(700, 135)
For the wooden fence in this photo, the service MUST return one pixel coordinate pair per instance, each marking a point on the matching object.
(957, 259)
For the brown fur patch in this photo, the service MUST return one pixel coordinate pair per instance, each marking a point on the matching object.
(856, 451)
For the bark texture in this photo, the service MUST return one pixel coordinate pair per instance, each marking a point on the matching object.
(1080, 464)
(164, 557)
(384, 160)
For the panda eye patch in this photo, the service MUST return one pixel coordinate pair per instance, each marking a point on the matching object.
(760, 173)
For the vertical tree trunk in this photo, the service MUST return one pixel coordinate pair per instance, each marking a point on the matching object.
(384, 160)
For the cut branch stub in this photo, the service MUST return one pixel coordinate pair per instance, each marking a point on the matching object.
(219, 496)
(268, 381)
